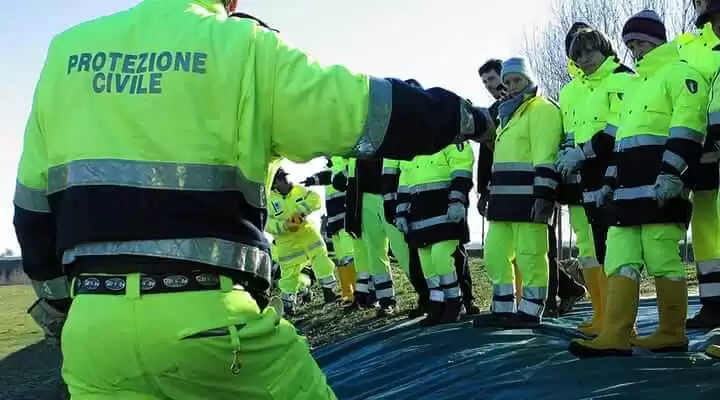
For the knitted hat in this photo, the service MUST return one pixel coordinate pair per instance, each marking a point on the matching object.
(713, 7)
(571, 34)
(645, 25)
(517, 65)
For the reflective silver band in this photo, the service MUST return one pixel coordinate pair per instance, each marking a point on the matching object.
(452, 292)
(611, 171)
(545, 182)
(709, 290)
(458, 173)
(381, 278)
(534, 293)
(53, 289)
(426, 187)
(390, 170)
(388, 293)
(390, 196)
(334, 195)
(513, 167)
(328, 282)
(714, 118)
(611, 129)
(449, 279)
(502, 307)
(512, 190)
(402, 207)
(211, 251)
(336, 218)
(31, 199)
(404, 189)
(437, 295)
(363, 275)
(362, 287)
(675, 161)
(588, 262)
(708, 267)
(155, 175)
(629, 271)
(467, 120)
(433, 282)
(504, 290)
(428, 222)
(685, 133)
(530, 308)
(640, 141)
(380, 102)
(641, 192)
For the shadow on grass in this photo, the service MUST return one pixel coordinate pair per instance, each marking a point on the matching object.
(33, 373)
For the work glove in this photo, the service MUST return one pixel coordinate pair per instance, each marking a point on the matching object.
(667, 187)
(569, 161)
(542, 211)
(402, 224)
(310, 181)
(456, 211)
(482, 204)
(49, 318)
(603, 196)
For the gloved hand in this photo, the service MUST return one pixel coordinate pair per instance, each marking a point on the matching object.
(456, 211)
(402, 224)
(569, 160)
(309, 181)
(542, 211)
(603, 197)
(667, 187)
(49, 318)
(482, 204)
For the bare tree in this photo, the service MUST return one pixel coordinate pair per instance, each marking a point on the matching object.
(545, 47)
(7, 253)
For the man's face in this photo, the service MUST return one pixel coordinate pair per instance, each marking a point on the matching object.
(639, 48)
(492, 83)
(230, 5)
(515, 83)
(589, 61)
(281, 183)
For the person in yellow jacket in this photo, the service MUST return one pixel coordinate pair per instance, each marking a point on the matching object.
(605, 81)
(708, 19)
(570, 190)
(342, 242)
(660, 134)
(140, 204)
(699, 50)
(522, 199)
(297, 242)
(432, 212)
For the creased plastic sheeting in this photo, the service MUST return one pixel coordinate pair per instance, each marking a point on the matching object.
(462, 362)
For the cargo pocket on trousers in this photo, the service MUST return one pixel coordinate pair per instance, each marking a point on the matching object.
(211, 351)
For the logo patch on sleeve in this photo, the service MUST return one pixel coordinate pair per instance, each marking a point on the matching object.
(692, 85)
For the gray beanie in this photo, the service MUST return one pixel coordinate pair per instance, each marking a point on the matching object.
(517, 65)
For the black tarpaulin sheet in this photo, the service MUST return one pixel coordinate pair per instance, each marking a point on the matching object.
(461, 362)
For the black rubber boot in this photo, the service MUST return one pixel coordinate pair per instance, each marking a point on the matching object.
(522, 321)
(330, 296)
(452, 311)
(705, 319)
(434, 314)
(420, 309)
(388, 308)
(492, 320)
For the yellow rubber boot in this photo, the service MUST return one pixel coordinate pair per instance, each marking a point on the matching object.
(346, 274)
(596, 284)
(672, 300)
(620, 314)
(713, 350)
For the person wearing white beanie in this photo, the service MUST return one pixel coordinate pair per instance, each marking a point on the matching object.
(522, 199)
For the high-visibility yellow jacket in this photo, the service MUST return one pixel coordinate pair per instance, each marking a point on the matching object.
(524, 161)
(570, 98)
(152, 129)
(281, 211)
(596, 121)
(427, 186)
(661, 130)
(334, 198)
(702, 52)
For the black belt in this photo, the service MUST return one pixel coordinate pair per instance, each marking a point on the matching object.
(193, 281)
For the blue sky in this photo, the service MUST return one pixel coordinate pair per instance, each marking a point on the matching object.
(440, 43)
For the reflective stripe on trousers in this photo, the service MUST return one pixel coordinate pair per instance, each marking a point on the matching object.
(503, 299)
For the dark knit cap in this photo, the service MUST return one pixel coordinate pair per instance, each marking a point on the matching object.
(645, 25)
(571, 34)
(712, 7)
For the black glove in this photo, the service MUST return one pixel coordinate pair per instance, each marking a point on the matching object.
(310, 181)
(50, 315)
(542, 211)
(340, 182)
(482, 204)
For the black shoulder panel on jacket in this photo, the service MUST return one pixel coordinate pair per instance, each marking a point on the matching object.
(248, 16)
(623, 68)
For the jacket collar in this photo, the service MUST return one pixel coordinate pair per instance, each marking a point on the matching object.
(657, 58)
(606, 68)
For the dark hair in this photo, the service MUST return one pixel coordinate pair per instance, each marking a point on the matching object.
(490, 65)
(588, 39)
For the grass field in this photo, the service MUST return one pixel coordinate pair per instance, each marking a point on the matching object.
(29, 367)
